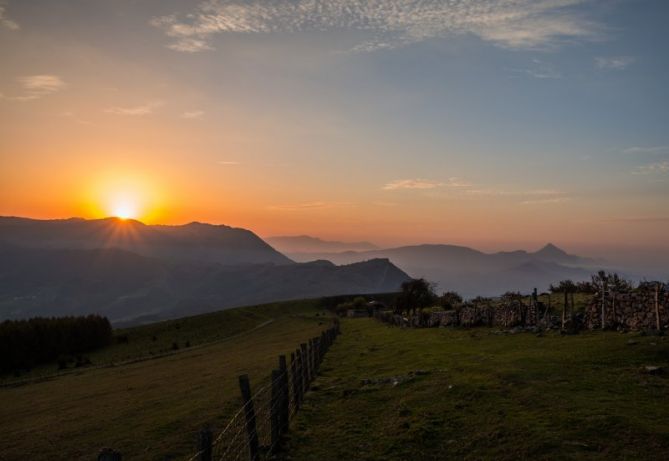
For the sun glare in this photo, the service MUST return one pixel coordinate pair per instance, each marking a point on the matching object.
(124, 210)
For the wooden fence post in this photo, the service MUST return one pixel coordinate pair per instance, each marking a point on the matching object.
(275, 409)
(285, 393)
(204, 445)
(294, 377)
(299, 378)
(658, 324)
(250, 414)
(305, 366)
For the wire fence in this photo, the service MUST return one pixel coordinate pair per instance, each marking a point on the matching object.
(255, 431)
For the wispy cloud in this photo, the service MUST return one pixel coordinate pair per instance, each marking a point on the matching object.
(652, 168)
(228, 162)
(73, 116)
(136, 111)
(466, 190)
(304, 206)
(647, 150)
(399, 184)
(193, 114)
(5, 21)
(390, 23)
(541, 70)
(640, 219)
(614, 62)
(37, 86)
(545, 201)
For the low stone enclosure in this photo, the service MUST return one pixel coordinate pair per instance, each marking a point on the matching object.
(640, 309)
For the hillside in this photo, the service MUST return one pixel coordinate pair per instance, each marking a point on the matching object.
(130, 288)
(472, 272)
(479, 394)
(146, 399)
(190, 242)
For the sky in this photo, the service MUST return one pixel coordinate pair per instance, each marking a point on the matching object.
(495, 124)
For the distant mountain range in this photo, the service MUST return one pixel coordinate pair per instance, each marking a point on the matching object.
(133, 273)
(472, 272)
(191, 242)
(306, 244)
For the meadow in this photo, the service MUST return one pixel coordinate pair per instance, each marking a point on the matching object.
(387, 393)
(150, 407)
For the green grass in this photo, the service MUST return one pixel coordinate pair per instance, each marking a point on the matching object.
(153, 408)
(485, 396)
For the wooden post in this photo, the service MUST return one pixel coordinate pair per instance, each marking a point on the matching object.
(275, 409)
(204, 445)
(658, 324)
(306, 372)
(107, 454)
(250, 414)
(564, 307)
(285, 393)
(299, 378)
(603, 301)
(294, 377)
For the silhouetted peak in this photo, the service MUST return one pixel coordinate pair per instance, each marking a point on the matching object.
(551, 250)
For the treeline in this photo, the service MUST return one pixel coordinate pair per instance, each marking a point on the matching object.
(26, 343)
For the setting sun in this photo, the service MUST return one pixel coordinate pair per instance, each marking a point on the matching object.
(124, 210)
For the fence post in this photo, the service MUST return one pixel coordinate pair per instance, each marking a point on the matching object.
(293, 377)
(250, 414)
(658, 324)
(285, 395)
(305, 366)
(275, 409)
(312, 362)
(204, 444)
(300, 376)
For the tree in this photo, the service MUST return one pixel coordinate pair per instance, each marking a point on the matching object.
(449, 300)
(415, 294)
(567, 288)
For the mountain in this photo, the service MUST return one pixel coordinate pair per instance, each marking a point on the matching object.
(307, 244)
(127, 287)
(191, 242)
(472, 272)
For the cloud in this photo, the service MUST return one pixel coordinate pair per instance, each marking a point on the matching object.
(652, 168)
(304, 206)
(540, 70)
(37, 86)
(193, 115)
(545, 201)
(614, 62)
(5, 22)
(389, 23)
(647, 150)
(464, 189)
(136, 111)
(227, 162)
(640, 219)
(399, 184)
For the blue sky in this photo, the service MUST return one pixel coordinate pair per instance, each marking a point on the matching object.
(481, 122)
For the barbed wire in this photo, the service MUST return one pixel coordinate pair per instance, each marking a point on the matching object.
(254, 431)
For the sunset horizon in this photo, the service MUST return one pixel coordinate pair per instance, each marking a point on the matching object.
(333, 230)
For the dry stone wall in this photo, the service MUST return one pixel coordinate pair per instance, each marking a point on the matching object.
(636, 310)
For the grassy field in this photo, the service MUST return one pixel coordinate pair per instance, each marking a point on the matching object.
(152, 408)
(436, 394)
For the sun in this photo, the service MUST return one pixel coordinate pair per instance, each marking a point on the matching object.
(124, 210)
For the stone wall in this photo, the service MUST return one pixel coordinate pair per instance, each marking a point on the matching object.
(624, 311)
(629, 311)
